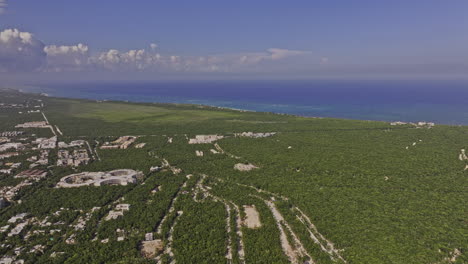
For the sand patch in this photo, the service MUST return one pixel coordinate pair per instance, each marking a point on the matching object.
(462, 155)
(244, 167)
(204, 139)
(149, 249)
(252, 217)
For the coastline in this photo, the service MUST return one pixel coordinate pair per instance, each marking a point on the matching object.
(392, 122)
(315, 102)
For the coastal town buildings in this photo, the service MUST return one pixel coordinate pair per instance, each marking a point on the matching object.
(120, 143)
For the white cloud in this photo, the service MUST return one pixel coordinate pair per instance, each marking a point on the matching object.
(53, 50)
(277, 54)
(20, 51)
(126, 61)
(271, 54)
(67, 58)
(3, 6)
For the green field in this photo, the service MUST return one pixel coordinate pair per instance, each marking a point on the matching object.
(373, 193)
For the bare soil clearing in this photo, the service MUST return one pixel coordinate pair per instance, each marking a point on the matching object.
(150, 249)
(252, 217)
(245, 167)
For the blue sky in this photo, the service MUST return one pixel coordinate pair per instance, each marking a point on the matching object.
(217, 39)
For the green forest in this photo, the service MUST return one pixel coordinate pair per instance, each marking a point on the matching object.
(324, 190)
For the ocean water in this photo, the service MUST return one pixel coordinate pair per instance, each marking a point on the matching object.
(442, 102)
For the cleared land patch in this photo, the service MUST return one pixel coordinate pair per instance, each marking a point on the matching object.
(150, 249)
(252, 217)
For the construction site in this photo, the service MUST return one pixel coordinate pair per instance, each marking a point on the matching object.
(120, 143)
(115, 177)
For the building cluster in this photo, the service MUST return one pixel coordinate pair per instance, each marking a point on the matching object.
(18, 228)
(151, 247)
(11, 133)
(244, 167)
(418, 124)
(462, 156)
(255, 135)
(11, 166)
(46, 143)
(82, 220)
(8, 155)
(117, 212)
(155, 168)
(15, 229)
(425, 124)
(115, 177)
(120, 143)
(36, 103)
(11, 149)
(76, 158)
(204, 139)
(43, 159)
(72, 144)
(11, 145)
(6, 105)
(10, 260)
(29, 176)
(140, 145)
(34, 124)
(32, 174)
(15, 226)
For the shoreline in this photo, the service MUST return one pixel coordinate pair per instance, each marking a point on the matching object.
(200, 105)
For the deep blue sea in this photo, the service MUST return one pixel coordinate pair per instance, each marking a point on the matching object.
(443, 102)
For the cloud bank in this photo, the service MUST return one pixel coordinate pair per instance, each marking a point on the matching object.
(23, 52)
(23, 55)
(20, 51)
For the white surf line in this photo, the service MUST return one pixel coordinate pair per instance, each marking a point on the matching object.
(326, 245)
